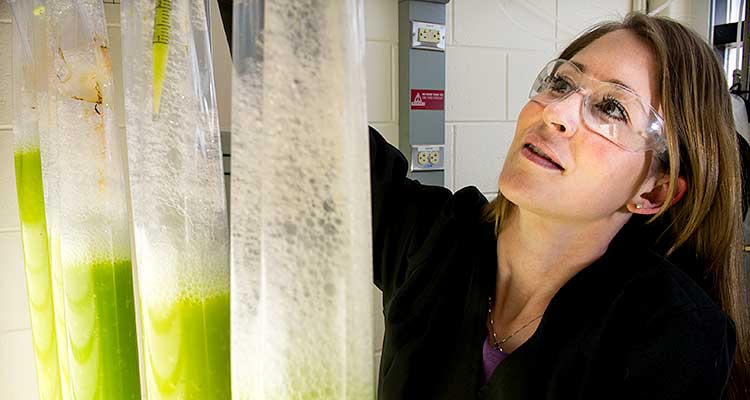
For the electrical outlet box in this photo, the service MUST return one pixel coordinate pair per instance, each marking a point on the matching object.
(428, 158)
(427, 36)
(422, 38)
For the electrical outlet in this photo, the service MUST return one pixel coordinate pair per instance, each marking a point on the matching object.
(427, 36)
(427, 158)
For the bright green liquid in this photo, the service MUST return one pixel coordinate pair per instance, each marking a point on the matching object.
(187, 348)
(59, 301)
(100, 317)
(38, 280)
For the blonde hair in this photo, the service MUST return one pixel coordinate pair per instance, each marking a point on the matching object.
(706, 224)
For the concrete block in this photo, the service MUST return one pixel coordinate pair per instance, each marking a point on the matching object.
(523, 68)
(449, 24)
(510, 24)
(8, 198)
(6, 74)
(17, 375)
(480, 151)
(448, 163)
(394, 83)
(389, 131)
(15, 315)
(381, 20)
(576, 16)
(380, 79)
(475, 84)
(378, 322)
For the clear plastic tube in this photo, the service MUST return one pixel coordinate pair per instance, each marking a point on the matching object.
(301, 244)
(179, 205)
(93, 230)
(29, 68)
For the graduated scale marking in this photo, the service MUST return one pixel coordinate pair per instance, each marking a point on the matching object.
(162, 27)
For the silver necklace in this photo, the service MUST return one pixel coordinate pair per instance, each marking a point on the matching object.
(499, 344)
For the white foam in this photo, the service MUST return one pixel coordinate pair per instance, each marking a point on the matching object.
(85, 169)
(175, 166)
(301, 314)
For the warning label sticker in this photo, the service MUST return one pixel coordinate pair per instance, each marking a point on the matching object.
(427, 99)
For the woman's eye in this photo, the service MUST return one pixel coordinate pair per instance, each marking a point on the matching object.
(558, 84)
(612, 108)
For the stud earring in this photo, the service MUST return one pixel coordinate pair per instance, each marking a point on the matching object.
(639, 205)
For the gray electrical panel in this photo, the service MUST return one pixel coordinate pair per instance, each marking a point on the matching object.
(421, 27)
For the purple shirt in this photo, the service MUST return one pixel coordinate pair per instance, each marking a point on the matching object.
(491, 358)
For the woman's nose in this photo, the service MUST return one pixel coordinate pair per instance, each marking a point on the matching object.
(564, 115)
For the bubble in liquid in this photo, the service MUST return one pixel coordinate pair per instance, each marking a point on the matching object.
(300, 158)
(179, 211)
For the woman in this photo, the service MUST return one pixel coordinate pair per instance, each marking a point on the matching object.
(608, 266)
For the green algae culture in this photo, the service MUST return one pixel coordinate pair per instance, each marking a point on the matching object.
(28, 168)
(100, 318)
(186, 347)
(29, 124)
(59, 301)
(91, 207)
(179, 210)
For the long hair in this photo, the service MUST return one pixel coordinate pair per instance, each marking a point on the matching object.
(706, 224)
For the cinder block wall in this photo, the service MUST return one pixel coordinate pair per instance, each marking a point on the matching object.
(495, 49)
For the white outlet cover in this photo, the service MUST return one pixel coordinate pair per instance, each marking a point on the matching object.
(417, 44)
(426, 153)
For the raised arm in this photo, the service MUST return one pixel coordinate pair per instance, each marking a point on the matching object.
(403, 210)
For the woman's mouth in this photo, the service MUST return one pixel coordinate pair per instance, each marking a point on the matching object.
(537, 156)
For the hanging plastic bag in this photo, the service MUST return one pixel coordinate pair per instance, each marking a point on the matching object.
(178, 199)
(29, 118)
(94, 237)
(301, 245)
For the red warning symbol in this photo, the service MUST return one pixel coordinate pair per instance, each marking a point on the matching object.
(427, 99)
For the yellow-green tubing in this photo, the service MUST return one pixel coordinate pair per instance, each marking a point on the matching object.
(161, 48)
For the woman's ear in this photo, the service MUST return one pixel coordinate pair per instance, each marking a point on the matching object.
(651, 202)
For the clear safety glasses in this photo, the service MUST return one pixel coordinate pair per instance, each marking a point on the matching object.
(609, 109)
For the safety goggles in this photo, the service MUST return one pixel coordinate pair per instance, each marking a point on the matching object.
(612, 110)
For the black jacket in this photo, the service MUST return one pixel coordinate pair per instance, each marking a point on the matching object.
(629, 326)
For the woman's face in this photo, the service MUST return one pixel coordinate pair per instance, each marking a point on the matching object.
(598, 178)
